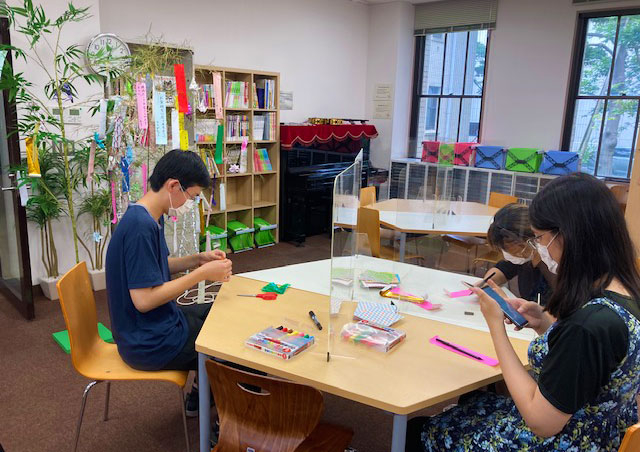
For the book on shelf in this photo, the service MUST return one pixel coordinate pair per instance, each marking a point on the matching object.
(236, 94)
(262, 162)
(237, 127)
(207, 97)
(258, 127)
(206, 130)
(264, 94)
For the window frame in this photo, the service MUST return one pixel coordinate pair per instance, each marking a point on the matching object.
(573, 94)
(417, 96)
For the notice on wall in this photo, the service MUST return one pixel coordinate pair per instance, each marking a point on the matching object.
(382, 91)
(382, 109)
(286, 100)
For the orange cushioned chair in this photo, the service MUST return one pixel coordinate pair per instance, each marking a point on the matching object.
(283, 417)
(91, 356)
(631, 440)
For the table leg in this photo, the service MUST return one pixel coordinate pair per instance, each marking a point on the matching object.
(403, 245)
(204, 408)
(399, 435)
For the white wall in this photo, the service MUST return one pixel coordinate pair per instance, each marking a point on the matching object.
(528, 74)
(319, 47)
(390, 61)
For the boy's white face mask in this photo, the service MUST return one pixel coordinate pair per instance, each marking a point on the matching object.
(183, 209)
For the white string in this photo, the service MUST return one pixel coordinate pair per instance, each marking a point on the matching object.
(209, 297)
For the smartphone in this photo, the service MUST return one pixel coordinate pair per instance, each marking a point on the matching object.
(513, 315)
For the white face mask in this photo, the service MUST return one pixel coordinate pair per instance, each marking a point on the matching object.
(183, 209)
(543, 251)
(517, 260)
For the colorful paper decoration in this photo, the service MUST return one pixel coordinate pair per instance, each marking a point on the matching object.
(141, 98)
(175, 129)
(90, 165)
(113, 202)
(217, 89)
(33, 163)
(124, 166)
(160, 116)
(219, 144)
(102, 125)
(181, 88)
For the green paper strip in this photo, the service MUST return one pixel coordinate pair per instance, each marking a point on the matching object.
(274, 288)
(219, 144)
(62, 337)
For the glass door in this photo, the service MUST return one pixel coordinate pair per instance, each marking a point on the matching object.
(15, 266)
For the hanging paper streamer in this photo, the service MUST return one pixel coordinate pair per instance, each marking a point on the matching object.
(3, 55)
(91, 164)
(184, 135)
(223, 198)
(124, 166)
(102, 126)
(113, 202)
(129, 89)
(181, 88)
(144, 178)
(141, 97)
(160, 116)
(219, 144)
(175, 129)
(98, 141)
(22, 190)
(217, 90)
(33, 163)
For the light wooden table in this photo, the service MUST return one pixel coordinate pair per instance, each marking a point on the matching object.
(414, 216)
(413, 376)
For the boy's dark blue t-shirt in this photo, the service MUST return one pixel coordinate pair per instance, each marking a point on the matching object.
(137, 257)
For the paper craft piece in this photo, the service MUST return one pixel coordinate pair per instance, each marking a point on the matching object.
(113, 202)
(62, 337)
(274, 288)
(377, 313)
(428, 306)
(175, 129)
(91, 164)
(184, 140)
(124, 166)
(3, 56)
(223, 197)
(33, 162)
(143, 169)
(141, 98)
(459, 293)
(102, 125)
(402, 294)
(181, 88)
(219, 145)
(217, 91)
(462, 351)
(98, 140)
(160, 116)
(22, 190)
(381, 277)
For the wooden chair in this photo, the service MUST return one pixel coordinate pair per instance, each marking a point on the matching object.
(91, 356)
(621, 193)
(631, 440)
(498, 200)
(369, 224)
(283, 417)
(367, 196)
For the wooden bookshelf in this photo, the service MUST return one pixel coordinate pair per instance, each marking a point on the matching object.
(252, 193)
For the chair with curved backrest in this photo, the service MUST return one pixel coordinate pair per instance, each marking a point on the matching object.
(90, 355)
(498, 200)
(621, 193)
(367, 196)
(631, 440)
(369, 224)
(283, 417)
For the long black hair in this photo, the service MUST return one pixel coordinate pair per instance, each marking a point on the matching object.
(510, 225)
(596, 243)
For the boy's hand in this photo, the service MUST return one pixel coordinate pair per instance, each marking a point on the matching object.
(208, 256)
(217, 270)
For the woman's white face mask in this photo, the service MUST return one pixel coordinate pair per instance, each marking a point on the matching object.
(517, 260)
(543, 251)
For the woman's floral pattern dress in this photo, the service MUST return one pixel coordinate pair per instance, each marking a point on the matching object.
(489, 422)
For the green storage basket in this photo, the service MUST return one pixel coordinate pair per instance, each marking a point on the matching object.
(263, 234)
(524, 160)
(446, 154)
(218, 238)
(240, 236)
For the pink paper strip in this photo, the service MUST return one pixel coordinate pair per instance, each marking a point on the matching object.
(144, 178)
(217, 89)
(113, 202)
(141, 96)
(489, 361)
(91, 164)
(459, 293)
(428, 306)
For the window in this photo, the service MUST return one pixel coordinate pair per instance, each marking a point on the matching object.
(448, 86)
(602, 115)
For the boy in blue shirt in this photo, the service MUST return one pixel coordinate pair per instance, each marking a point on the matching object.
(152, 332)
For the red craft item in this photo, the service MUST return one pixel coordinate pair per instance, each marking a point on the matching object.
(181, 88)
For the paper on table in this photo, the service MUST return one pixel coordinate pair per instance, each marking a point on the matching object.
(459, 293)
(484, 359)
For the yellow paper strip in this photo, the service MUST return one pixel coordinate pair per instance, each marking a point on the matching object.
(33, 164)
(184, 140)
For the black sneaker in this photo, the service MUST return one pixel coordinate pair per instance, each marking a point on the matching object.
(192, 402)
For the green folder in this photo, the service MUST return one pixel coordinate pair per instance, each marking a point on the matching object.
(240, 236)
(218, 237)
(62, 337)
(524, 160)
(446, 154)
(263, 234)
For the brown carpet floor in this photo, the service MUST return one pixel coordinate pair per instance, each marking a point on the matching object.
(40, 393)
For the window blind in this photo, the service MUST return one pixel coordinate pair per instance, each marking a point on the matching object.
(455, 15)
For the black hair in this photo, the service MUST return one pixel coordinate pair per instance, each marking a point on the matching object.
(185, 166)
(596, 242)
(510, 225)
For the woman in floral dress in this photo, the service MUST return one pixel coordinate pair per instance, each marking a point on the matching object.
(586, 360)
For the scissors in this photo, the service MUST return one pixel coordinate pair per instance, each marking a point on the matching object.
(264, 296)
